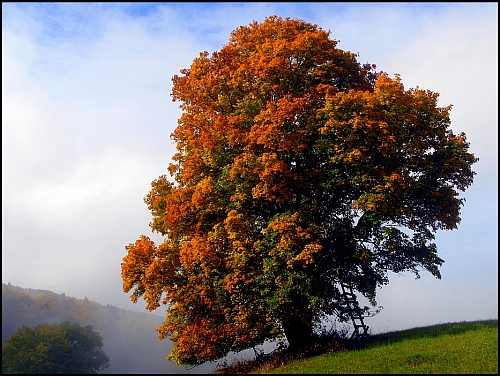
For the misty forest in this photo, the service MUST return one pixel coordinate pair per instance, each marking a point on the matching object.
(130, 339)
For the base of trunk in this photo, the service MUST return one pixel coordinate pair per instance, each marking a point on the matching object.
(298, 333)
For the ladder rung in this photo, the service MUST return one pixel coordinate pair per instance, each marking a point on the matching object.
(350, 299)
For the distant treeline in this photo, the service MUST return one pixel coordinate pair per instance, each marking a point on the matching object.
(130, 340)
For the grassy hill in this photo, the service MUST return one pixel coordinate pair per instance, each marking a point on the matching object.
(465, 347)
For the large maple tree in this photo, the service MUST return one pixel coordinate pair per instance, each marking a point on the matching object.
(297, 168)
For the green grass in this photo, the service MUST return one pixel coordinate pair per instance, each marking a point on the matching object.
(466, 347)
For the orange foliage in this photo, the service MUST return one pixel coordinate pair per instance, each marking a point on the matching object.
(295, 169)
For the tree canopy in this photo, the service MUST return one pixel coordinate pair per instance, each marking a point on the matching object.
(59, 349)
(297, 168)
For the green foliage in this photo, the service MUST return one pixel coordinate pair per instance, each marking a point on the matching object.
(58, 349)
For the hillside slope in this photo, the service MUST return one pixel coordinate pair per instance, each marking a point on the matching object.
(464, 347)
(130, 339)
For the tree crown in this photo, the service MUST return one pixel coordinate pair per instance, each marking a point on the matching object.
(297, 168)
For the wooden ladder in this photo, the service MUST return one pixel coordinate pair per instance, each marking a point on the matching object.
(360, 329)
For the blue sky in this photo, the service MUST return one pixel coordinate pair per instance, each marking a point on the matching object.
(87, 115)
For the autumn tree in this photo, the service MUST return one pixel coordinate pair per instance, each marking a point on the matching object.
(59, 349)
(297, 168)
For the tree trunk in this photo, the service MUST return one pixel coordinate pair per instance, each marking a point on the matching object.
(298, 331)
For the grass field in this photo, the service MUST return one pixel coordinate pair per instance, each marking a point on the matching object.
(465, 347)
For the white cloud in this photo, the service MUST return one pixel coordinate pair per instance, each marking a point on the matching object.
(86, 129)
(459, 59)
(97, 180)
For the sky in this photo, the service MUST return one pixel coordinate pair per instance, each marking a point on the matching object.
(87, 117)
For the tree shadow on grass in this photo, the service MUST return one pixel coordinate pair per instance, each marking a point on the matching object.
(430, 331)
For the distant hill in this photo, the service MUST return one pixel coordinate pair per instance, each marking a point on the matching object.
(130, 339)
